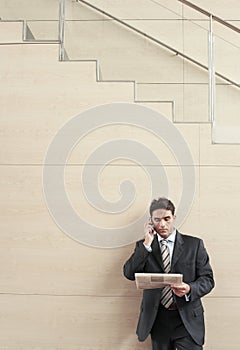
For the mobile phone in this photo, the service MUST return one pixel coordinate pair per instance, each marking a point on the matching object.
(151, 223)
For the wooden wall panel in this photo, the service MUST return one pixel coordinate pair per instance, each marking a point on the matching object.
(36, 257)
(99, 323)
(40, 94)
(222, 319)
(33, 246)
(56, 293)
(86, 323)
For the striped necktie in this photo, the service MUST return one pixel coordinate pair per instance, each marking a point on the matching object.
(167, 296)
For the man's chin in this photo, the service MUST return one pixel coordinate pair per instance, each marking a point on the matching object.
(163, 233)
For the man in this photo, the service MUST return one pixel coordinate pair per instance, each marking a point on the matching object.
(172, 315)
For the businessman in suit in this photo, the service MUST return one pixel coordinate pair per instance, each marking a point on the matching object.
(173, 316)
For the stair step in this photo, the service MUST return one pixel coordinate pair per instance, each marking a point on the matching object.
(29, 10)
(40, 62)
(226, 134)
(44, 30)
(185, 96)
(11, 32)
(219, 154)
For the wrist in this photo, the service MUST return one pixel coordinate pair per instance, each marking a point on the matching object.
(148, 248)
(147, 244)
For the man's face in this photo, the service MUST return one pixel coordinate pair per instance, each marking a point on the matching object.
(163, 221)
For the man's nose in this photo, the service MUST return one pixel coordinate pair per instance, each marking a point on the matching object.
(162, 223)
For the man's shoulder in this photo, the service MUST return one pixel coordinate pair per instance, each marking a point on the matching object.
(140, 242)
(189, 238)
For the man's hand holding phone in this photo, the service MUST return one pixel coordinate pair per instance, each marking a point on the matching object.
(148, 233)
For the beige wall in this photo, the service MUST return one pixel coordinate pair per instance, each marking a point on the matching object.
(57, 293)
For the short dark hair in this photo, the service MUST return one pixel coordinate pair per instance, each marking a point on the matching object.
(162, 203)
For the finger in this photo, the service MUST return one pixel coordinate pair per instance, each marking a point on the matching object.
(177, 288)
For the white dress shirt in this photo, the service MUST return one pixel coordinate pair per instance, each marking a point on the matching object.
(170, 243)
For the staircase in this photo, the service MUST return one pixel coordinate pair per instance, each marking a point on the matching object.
(39, 94)
(157, 54)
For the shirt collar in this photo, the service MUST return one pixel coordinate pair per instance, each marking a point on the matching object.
(170, 238)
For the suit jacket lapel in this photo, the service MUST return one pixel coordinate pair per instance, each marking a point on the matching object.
(178, 249)
(157, 252)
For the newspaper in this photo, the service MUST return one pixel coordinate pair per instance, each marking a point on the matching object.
(157, 280)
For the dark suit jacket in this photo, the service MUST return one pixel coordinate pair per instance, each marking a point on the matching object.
(190, 259)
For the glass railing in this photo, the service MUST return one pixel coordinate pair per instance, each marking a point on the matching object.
(224, 77)
(227, 93)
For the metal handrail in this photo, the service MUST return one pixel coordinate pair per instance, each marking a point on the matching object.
(211, 70)
(61, 34)
(177, 53)
(210, 15)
